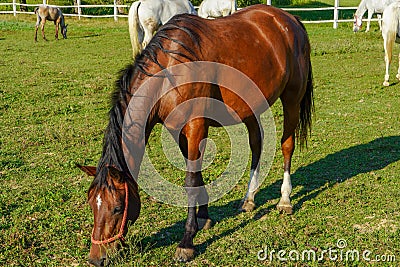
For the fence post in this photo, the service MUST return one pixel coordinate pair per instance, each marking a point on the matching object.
(269, 2)
(115, 10)
(78, 2)
(336, 14)
(15, 7)
(44, 2)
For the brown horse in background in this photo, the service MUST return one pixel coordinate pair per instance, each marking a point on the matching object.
(43, 13)
(266, 44)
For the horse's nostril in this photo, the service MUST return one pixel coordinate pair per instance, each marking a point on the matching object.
(103, 262)
(93, 262)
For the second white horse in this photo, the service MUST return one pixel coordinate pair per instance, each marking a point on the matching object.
(373, 6)
(217, 8)
(390, 34)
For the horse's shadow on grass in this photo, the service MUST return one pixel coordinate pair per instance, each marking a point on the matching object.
(392, 84)
(334, 168)
(85, 36)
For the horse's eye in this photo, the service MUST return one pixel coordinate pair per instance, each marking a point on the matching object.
(118, 209)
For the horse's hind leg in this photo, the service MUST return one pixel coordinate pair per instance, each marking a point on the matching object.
(57, 23)
(291, 120)
(42, 27)
(379, 16)
(255, 139)
(398, 70)
(388, 45)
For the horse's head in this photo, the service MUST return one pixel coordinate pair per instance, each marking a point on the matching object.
(64, 31)
(113, 203)
(357, 23)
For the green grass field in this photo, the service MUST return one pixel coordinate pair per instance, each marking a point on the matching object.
(53, 111)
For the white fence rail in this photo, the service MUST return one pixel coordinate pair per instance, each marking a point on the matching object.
(335, 9)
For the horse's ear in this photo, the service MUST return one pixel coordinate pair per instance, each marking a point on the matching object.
(115, 173)
(89, 170)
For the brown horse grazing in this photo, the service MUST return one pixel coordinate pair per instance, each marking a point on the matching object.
(44, 13)
(268, 45)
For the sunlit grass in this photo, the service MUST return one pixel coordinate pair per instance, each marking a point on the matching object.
(53, 111)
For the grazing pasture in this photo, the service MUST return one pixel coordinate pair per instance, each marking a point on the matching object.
(55, 97)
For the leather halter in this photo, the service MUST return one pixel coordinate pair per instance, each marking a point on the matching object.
(120, 234)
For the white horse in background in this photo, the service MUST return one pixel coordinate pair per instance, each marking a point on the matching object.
(217, 8)
(373, 6)
(390, 33)
(146, 16)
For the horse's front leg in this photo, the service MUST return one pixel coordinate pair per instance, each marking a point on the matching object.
(194, 132)
(186, 250)
(255, 140)
(203, 219)
(57, 24)
(56, 32)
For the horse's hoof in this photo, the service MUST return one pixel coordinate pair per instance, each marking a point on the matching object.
(204, 224)
(285, 208)
(385, 83)
(184, 254)
(248, 205)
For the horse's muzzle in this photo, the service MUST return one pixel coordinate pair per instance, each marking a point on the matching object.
(99, 262)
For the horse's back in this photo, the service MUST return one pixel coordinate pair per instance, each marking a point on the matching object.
(48, 12)
(262, 41)
(276, 56)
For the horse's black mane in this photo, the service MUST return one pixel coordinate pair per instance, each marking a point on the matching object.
(112, 154)
(184, 23)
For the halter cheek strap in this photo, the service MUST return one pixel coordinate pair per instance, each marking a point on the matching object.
(120, 234)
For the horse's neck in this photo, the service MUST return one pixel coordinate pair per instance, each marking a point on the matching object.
(139, 117)
(62, 21)
(361, 8)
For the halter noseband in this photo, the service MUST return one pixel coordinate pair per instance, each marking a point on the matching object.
(120, 235)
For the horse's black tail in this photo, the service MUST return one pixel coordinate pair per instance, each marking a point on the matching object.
(36, 9)
(306, 110)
